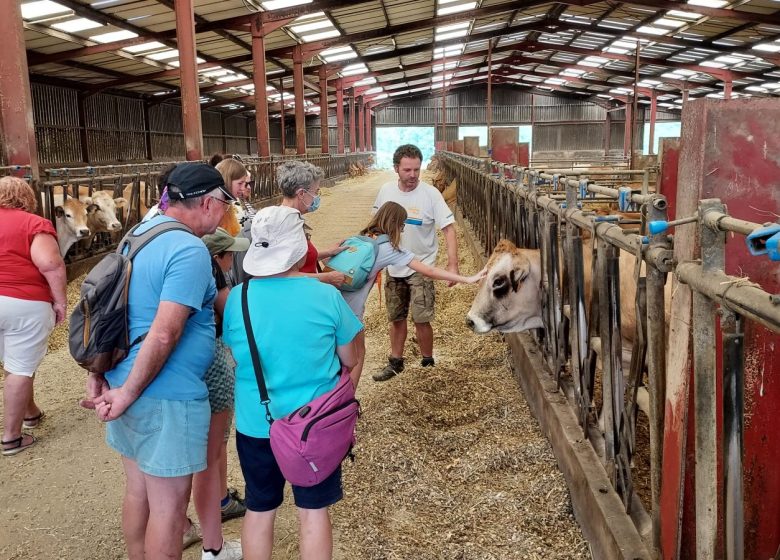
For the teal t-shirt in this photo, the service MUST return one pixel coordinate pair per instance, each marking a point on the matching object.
(175, 267)
(298, 322)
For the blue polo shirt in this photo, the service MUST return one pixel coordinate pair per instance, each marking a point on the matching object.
(298, 322)
(175, 267)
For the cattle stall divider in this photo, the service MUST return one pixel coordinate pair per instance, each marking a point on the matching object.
(138, 184)
(561, 215)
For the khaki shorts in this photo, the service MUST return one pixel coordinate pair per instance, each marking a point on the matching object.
(415, 292)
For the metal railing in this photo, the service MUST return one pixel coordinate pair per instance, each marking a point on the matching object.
(137, 183)
(553, 213)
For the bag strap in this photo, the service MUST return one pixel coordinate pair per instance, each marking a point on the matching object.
(250, 335)
(135, 243)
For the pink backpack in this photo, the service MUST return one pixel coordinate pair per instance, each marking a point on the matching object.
(310, 443)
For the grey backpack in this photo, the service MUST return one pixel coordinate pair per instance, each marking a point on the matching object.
(99, 333)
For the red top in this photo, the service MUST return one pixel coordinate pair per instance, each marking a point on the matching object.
(311, 259)
(19, 277)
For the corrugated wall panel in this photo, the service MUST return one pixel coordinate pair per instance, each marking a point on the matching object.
(551, 138)
(55, 113)
(211, 122)
(165, 118)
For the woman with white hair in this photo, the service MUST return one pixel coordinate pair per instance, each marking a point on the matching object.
(304, 332)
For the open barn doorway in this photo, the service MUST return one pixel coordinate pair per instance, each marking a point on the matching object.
(388, 138)
(525, 134)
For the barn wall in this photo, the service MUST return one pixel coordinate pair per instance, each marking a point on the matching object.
(104, 128)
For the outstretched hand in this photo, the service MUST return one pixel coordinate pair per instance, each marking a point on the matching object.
(477, 277)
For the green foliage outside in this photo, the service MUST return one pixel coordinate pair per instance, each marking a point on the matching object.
(390, 137)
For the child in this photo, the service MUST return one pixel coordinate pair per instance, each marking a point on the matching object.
(390, 220)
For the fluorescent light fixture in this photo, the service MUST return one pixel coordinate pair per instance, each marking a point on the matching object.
(276, 4)
(366, 81)
(650, 30)
(319, 36)
(767, 47)
(76, 25)
(681, 14)
(144, 47)
(452, 35)
(164, 55)
(729, 59)
(113, 36)
(456, 8)
(43, 9)
(666, 22)
(708, 3)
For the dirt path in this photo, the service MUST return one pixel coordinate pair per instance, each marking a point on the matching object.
(450, 462)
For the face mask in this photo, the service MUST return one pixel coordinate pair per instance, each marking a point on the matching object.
(315, 203)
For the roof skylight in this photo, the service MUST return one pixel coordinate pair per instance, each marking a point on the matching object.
(366, 81)
(278, 4)
(373, 90)
(114, 36)
(708, 3)
(338, 53)
(164, 55)
(685, 15)
(455, 8)
(666, 22)
(650, 30)
(767, 47)
(76, 25)
(319, 36)
(354, 69)
(144, 47)
(43, 9)
(305, 27)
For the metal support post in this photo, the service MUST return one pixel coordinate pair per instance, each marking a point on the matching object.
(368, 126)
(361, 124)
(300, 115)
(352, 123)
(727, 86)
(324, 140)
(705, 395)
(261, 97)
(16, 110)
(653, 111)
(281, 102)
(733, 438)
(147, 132)
(489, 106)
(340, 115)
(188, 71)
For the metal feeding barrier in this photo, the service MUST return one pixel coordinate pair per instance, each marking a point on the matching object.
(575, 222)
(137, 183)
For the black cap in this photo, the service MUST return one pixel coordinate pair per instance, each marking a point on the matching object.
(190, 180)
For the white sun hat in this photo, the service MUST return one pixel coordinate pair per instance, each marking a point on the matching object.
(278, 241)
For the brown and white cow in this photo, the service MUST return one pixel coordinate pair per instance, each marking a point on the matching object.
(70, 219)
(103, 218)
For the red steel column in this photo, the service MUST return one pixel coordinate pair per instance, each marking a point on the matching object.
(352, 123)
(368, 126)
(324, 148)
(261, 98)
(16, 110)
(627, 131)
(727, 85)
(489, 107)
(340, 115)
(361, 125)
(188, 71)
(300, 116)
(653, 111)
(281, 100)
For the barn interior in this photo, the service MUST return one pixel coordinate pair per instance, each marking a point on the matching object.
(559, 125)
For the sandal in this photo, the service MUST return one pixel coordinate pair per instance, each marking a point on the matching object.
(17, 445)
(34, 422)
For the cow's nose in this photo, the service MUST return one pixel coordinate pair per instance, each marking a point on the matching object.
(84, 231)
(469, 323)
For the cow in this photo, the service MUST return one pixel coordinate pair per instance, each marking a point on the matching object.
(103, 218)
(70, 219)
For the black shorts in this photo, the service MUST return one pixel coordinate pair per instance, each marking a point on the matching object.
(265, 483)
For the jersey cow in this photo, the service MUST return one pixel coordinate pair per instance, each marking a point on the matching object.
(70, 219)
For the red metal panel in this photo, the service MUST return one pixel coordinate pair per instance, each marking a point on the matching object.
(457, 146)
(188, 70)
(440, 145)
(16, 111)
(729, 151)
(523, 154)
(471, 145)
(503, 141)
(669, 150)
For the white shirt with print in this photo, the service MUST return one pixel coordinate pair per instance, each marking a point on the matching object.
(426, 212)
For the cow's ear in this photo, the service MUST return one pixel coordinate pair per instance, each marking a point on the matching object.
(516, 278)
(120, 202)
(504, 246)
(92, 208)
(59, 211)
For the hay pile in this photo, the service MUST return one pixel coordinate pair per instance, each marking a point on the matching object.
(450, 462)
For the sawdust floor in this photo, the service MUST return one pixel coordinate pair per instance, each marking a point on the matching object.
(450, 463)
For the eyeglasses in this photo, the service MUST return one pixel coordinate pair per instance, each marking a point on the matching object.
(225, 202)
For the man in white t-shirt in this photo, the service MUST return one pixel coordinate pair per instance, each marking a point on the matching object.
(404, 288)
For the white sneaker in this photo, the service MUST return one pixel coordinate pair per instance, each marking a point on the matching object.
(231, 550)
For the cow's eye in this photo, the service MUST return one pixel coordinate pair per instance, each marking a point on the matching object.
(68, 215)
(499, 281)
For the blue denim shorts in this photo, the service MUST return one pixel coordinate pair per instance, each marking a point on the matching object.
(265, 483)
(165, 438)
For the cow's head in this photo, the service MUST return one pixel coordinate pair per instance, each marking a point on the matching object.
(509, 298)
(71, 218)
(102, 212)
